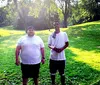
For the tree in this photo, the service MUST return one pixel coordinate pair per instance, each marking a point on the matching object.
(78, 13)
(7, 14)
(65, 6)
(37, 8)
(93, 7)
(84, 11)
(51, 7)
(22, 12)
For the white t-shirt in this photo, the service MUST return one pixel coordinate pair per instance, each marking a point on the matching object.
(58, 42)
(30, 52)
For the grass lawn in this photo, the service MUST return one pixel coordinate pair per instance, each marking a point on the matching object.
(82, 56)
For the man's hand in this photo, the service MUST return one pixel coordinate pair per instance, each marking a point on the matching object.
(58, 50)
(51, 47)
(43, 60)
(18, 48)
(17, 62)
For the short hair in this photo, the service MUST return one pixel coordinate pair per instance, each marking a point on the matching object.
(30, 27)
(56, 23)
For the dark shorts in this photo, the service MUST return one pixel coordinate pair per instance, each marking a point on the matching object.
(30, 71)
(57, 65)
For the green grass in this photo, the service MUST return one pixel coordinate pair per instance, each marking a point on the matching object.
(82, 56)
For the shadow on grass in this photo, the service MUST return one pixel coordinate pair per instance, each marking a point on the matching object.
(80, 73)
(77, 73)
(10, 37)
(8, 41)
(85, 37)
(97, 83)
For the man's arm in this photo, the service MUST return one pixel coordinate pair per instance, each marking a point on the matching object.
(18, 48)
(53, 48)
(65, 46)
(58, 50)
(43, 55)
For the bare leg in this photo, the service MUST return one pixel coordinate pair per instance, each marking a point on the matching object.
(25, 80)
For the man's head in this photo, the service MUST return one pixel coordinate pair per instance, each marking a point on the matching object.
(57, 26)
(30, 31)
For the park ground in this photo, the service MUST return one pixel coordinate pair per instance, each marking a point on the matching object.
(82, 56)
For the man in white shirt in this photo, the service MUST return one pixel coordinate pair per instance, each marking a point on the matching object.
(30, 47)
(57, 42)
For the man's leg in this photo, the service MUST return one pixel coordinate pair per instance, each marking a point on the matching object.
(36, 73)
(53, 69)
(61, 72)
(25, 80)
(62, 76)
(35, 81)
(24, 73)
(53, 78)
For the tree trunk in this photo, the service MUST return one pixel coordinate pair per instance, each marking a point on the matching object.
(21, 15)
(65, 21)
(65, 13)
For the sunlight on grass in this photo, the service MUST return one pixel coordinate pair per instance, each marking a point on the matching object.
(44, 32)
(5, 32)
(4, 45)
(49, 31)
(6, 41)
(12, 46)
(88, 23)
(9, 42)
(83, 28)
(89, 57)
(9, 32)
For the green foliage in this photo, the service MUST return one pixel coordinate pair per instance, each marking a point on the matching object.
(84, 10)
(79, 13)
(6, 13)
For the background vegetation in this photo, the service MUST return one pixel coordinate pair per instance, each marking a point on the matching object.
(42, 13)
